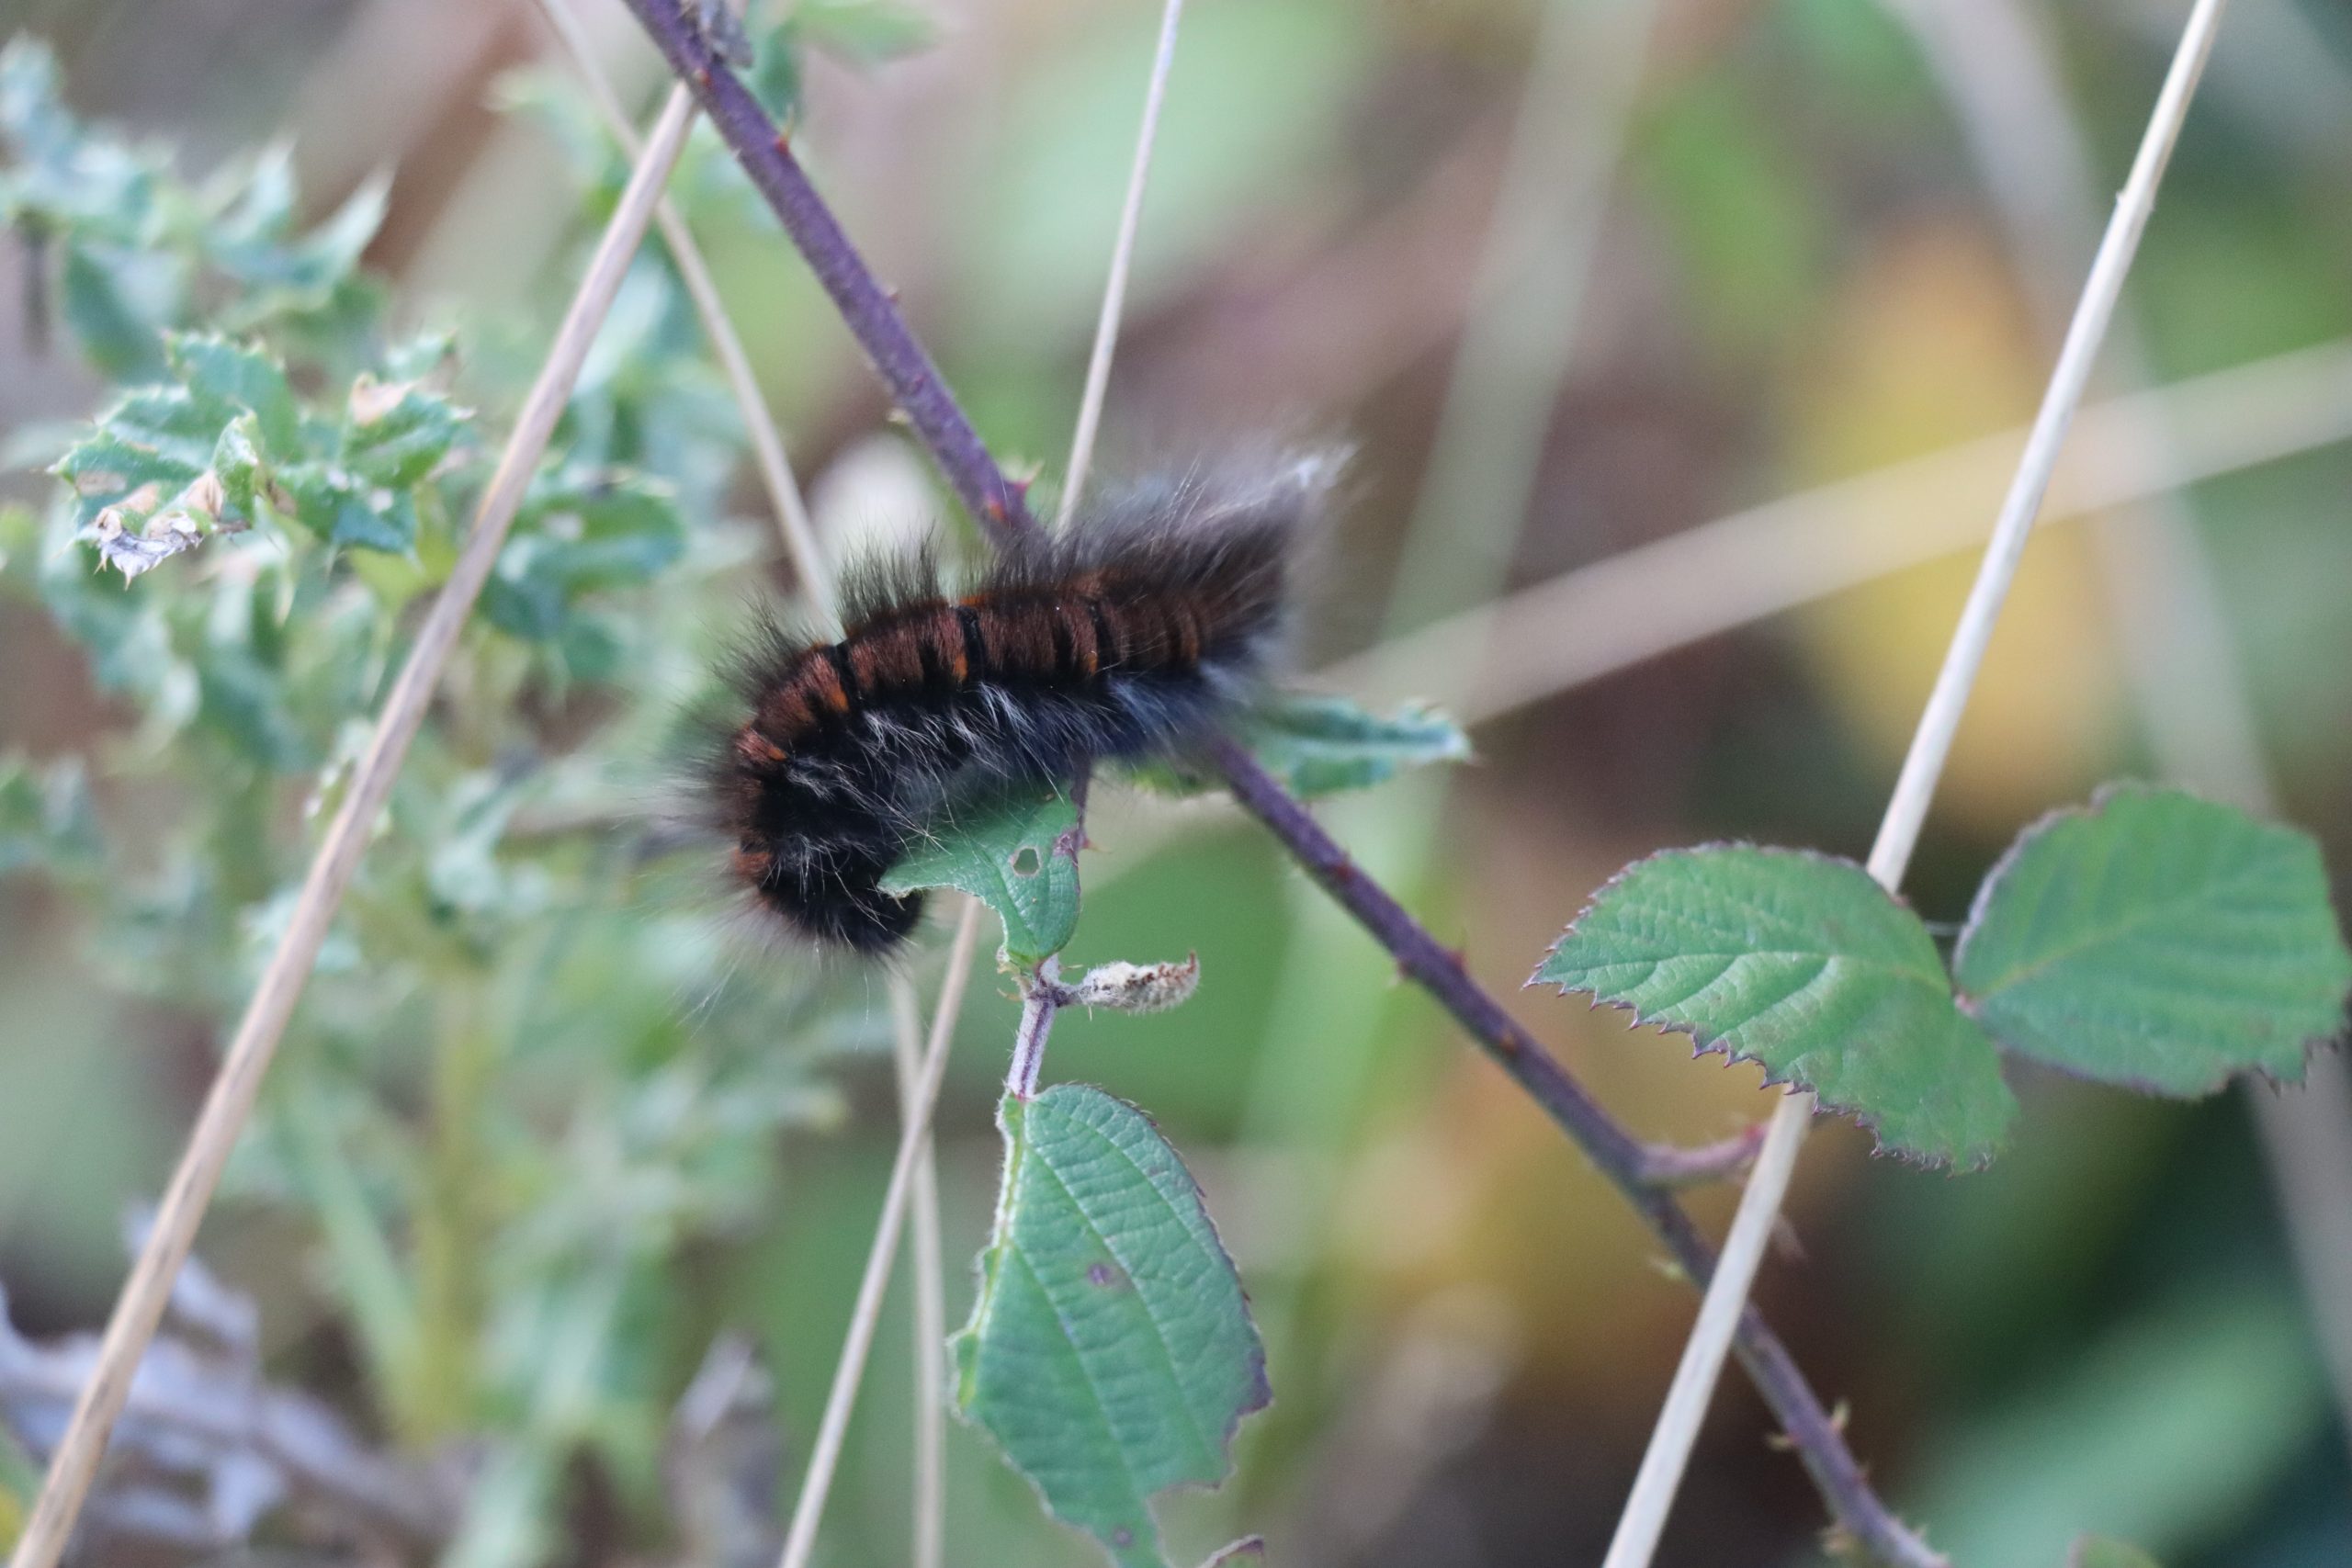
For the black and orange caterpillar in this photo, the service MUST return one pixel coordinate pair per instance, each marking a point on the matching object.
(1122, 637)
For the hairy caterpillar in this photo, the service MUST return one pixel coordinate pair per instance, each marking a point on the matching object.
(1123, 637)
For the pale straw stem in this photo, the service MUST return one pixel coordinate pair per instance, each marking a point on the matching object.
(1663, 1466)
(931, 1307)
(1746, 566)
(801, 1539)
(832, 1430)
(2186, 674)
(1114, 292)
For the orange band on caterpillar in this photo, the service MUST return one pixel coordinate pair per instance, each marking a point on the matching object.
(1124, 637)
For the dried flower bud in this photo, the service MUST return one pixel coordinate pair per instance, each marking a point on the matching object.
(206, 495)
(1138, 988)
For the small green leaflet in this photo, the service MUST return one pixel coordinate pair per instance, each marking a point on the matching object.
(1324, 745)
(1321, 745)
(395, 433)
(226, 378)
(110, 296)
(2158, 941)
(576, 535)
(2097, 1552)
(1805, 963)
(1110, 1354)
(1017, 853)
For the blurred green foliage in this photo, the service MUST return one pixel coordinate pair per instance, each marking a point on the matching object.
(526, 1083)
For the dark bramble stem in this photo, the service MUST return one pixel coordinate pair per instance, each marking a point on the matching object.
(867, 307)
(1041, 995)
(1629, 1164)
(940, 423)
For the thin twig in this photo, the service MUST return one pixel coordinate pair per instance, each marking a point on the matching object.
(1114, 292)
(1031, 1042)
(972, 472)
(1704, 581)
(816, 584)
(931, 1306)
(866, 308)
(234, 1087)
(2187, 677)
(1662, 1466)
(825, 1453)
(1697, 1166)
(1810, 1430)
(1041, 998)
(725, 344)
(1474, 501)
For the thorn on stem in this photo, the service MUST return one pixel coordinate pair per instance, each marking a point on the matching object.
(1669, 1166)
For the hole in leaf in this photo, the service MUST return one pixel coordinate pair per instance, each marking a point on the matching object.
(1026, 861)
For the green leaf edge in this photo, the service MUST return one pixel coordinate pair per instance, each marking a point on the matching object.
(1703, 1045)
(2102, 797)
(1262, 1385)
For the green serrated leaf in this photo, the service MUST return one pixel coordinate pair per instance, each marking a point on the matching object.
(576, 538)
(1805, 963)
(105, 467)
(2159, 940)
(107, 297)
(1016, 853)
(1110, 1354)
(615, 532)
(230, 375)
(2097, 1552)
(330, 504)
(167, 419)
(395, 435)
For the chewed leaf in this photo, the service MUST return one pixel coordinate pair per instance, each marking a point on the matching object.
(1110, 1354)
(2160, 941)
(1015, 852)
(1803, 962)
